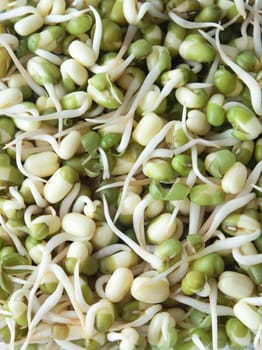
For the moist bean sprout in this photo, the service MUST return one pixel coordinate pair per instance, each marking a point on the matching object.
(130, 174)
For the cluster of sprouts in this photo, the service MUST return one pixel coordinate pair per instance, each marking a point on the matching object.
(130, 174)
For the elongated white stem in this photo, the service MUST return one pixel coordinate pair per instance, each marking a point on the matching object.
(213, 310)
(246, 260)
(204, 307)
(138, 221)
(252, 84)
(51, 91)
(55, 19)
(18, 245)
(49, 303)
(65, 281)
(140, 321)
(68, 200)
(194, 156)
(4, 38)
(98, 31)
(111, 249)
(198, 343)
(192, 25)
(153, 260)
(16, 12)
(222, 211)
(141, 159)
(257, 29)
(184, 127)
(49, 56)
(77, 286)
(228, 243)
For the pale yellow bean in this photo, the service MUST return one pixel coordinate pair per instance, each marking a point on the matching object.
(160, 229)
(149, 290)
(29, 24)
(70, 144)
(119, 284)
(82, 53)
(10, 97)
(248, 315)
(234, 179)
(235, 285)
(147, 128)
(42, 164)
(79, 225)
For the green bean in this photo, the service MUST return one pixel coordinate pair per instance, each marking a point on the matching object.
(207, 195)
(212, 265)
(195, 48)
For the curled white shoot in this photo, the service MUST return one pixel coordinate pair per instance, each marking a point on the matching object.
(162, 153)
(97, 33)
(11, 326)
(211, 73)
(195, 142)
(150, 8)
(166, 90)
(240, 5)
(213, 311)
(99, 285)
(194, 156)
(106, 171)
(55, 19)
(81, 202)
(228, 243)
(29, 212)
(49, 56)
(178, 272)
(5, 40)
(20, 166)
(246, 260)
(192, 25)
(194, 218)
(252, 179)
(248, 80)
(48, 304)
(141, 159)
(258, 339)
(204, 307)
(256, 301)
(119, 69)
(52, 94)
(148, 314)
(17, 12)
(198, 342)
(38, 198)
(183, 123)
(65, 281)
(243, 29)
(20, 204)
(111, 249)
(257, 29)
(138, 221)
(67, 202)
(152, 259)
(18, 245)
(221, 211)
(130, 33)
(148, 82)
(77, 287)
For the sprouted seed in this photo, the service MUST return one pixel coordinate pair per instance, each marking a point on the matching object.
(130, 174)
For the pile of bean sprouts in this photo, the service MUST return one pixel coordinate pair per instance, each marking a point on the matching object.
(130, 174)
